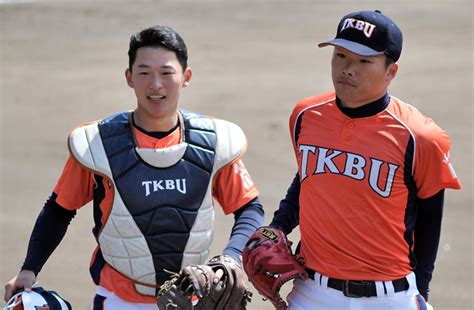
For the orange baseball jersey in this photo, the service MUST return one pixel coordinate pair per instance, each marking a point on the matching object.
(359, 179)
(232, 188)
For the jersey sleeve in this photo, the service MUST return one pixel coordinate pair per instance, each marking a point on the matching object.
(295, 119)
(299, 109)
(433, 169)
(75, 185)
(233, 187)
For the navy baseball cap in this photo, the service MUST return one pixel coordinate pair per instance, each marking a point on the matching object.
(368, 33)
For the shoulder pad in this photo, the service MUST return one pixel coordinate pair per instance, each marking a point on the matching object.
(231, 143)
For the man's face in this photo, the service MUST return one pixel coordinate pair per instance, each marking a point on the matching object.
(157, 78)
(359, 80)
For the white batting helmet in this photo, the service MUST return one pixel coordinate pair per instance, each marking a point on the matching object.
(37, 299)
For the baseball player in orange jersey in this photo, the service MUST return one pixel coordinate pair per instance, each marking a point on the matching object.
(369, 192)
(152, 174)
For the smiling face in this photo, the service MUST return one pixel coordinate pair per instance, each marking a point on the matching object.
(359, 80)
(157, 78)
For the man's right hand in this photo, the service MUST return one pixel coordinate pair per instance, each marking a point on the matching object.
(24, 280)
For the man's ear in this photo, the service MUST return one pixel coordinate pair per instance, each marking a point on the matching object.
(391, 72)
(188, 73)
(128, 77)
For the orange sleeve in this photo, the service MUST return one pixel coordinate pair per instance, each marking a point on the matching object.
(302, 106)
(433, 170)
(299, 107)
(75, 185)
(233, 187)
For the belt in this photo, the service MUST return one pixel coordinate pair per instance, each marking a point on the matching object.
(356, 289)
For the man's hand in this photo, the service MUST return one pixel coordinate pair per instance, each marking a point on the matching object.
(24, 280)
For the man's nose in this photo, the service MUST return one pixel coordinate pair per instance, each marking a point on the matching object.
(348, 68)
(155, 82)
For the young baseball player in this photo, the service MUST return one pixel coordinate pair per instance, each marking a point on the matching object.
(152, 174)
(369, 192)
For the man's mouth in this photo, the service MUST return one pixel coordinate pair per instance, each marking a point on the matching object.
(346, 82)
(156, 97)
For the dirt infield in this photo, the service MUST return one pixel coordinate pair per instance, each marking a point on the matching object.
(62, 63)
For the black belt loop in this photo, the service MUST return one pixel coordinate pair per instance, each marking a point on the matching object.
(357, 289)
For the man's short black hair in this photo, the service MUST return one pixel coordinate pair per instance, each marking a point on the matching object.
(388, 61)
(158, 36)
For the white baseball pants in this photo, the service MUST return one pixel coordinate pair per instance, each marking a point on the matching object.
(311, 294)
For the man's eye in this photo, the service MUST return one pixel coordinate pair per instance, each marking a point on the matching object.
(365, 61)
(143, 73)
(167, 73)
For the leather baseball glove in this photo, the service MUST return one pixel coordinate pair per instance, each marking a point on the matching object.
(270, 263)
(192, 282)
(194, 286)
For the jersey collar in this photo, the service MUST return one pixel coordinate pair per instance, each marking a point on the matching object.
(366, 110)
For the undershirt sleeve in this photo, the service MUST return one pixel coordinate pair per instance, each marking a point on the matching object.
(247, 220)
(427, 234)
(286, 218)
(50, 228)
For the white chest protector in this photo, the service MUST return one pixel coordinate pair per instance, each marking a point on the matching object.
(157, 208)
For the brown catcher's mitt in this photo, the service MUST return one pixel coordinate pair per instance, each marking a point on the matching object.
(270, 263)
(196, 283)
(192, 282)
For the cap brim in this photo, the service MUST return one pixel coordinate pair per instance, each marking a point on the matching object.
(354, 47)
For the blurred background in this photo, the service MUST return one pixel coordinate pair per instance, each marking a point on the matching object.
(62, 63)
